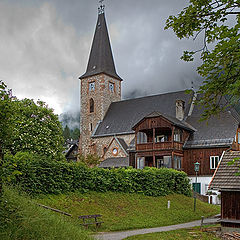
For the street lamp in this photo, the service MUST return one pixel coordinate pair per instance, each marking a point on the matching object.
(196, 169)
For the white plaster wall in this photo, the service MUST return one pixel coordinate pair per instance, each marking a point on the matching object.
(205, 180)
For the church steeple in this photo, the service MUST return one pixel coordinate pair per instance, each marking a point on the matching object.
(101, 57)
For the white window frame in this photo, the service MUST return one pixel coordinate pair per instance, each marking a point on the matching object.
(111, 87)
(91, 86)
(213, 164)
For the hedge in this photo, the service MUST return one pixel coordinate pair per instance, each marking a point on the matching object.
(41, 175)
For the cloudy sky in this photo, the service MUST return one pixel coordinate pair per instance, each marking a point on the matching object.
(44, 48)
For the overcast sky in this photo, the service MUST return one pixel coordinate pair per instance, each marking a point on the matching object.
(44, 48)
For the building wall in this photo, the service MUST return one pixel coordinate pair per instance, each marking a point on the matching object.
(102, 142)
(102, 98)
(114, 145)
(204, 181)
(202, 156)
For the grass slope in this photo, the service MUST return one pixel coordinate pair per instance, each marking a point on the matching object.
(123, 211)
(183, 234)
(21, 219)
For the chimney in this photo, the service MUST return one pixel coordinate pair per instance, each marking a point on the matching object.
(180, 106)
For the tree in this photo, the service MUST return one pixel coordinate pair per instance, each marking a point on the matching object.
(36, 129)
(91, 160)
(6, 120)
(5, 123)
(66, 133)
(218, 21)
(75, 134)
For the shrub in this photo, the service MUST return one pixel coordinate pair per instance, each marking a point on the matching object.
(43, 175)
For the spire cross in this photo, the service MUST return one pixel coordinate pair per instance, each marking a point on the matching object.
(101, 8)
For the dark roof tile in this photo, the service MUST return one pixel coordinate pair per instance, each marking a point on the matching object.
(225, 177)
(101, 58)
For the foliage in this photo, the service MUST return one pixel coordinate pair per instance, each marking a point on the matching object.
(182, 234)
(73, 134)
(22, 219)
(122, 211)
(36, 129)
(91, 160)
(6, 120)
(44, 175)
(66, 133)
(218, 22)
(28, 126)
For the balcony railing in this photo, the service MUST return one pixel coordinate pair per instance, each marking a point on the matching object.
(159, 146)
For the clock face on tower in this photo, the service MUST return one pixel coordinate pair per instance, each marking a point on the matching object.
(115, 151)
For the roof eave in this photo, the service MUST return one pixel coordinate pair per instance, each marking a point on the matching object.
(86, 75)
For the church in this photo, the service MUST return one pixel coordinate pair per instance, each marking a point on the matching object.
(155, 131)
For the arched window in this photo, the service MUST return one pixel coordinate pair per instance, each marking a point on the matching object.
(91, 105)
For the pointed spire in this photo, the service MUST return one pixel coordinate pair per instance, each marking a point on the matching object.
(101, 58)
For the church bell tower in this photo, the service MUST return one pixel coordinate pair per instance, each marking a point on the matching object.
(100, 85)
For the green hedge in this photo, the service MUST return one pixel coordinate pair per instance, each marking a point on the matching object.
(37, 175)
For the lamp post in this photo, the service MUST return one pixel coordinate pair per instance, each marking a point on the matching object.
(196, 169)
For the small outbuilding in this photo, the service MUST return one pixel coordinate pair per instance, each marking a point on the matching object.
(226, 179)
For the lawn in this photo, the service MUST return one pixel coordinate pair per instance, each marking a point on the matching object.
(123, 211)
(21, 219)
(182, 234)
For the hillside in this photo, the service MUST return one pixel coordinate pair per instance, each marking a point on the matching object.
(123, 211)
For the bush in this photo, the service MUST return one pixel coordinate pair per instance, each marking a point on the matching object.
(42, 175)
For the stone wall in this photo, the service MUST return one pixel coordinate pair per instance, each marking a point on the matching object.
(102, 142)
(102, 97)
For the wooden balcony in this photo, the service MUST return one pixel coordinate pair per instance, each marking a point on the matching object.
(159, 146)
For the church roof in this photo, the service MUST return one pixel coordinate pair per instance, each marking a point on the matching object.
(121, 116)
(116, 162)
(101, 58)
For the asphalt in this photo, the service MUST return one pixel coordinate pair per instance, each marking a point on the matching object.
(122, 235)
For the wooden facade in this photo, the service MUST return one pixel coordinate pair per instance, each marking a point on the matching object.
(154, 149)
(230, 209)
(201, 155)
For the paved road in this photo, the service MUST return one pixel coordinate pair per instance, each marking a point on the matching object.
(122, 235)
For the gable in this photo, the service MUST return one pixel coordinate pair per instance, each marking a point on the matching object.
(116, 148)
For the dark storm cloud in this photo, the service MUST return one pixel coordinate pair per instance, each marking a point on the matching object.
(44, 47)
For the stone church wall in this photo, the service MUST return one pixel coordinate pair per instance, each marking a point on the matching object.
(102, 142)
(102, 97)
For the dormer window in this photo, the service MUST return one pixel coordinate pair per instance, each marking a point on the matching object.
(91, 86)
(111, 87)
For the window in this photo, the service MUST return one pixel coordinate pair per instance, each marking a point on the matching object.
(161, 138)
(140, 162)
(238, 137)
(111, 87)
(91, 86)
(178, 135)
(91, 105)
(90, 127)
(141, 137)
(177, 163)
(214, 162)
(165, 161)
